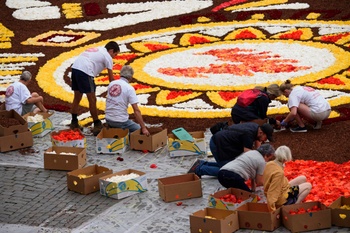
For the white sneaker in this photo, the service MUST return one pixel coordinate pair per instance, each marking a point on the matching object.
(318, 125)
(280, 129)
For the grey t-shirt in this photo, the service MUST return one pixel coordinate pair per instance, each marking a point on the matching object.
(247, 165)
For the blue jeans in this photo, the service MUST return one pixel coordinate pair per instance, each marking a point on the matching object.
(129, 124)
(211, 168)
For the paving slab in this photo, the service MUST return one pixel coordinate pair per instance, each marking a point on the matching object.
(37, 200)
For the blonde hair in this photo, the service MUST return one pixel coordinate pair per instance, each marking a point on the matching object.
(283, 154)
(287, 85)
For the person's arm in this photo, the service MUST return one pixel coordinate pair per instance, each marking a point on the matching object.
(253, 184)
(34, 99)
(259, 180)
(262, 105)
(139, 119)
(293, 112)
(110, 75)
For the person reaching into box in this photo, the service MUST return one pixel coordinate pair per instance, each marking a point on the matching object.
(229, 143)
(119, 95)
(247, 166)
(278, 190)
(19, 98)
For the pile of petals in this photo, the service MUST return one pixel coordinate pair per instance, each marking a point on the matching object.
(329, 180)
(68, 135)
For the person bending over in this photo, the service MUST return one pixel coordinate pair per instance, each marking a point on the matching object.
(248, 166)
(304, 102)
(229, 143)
(85, 68)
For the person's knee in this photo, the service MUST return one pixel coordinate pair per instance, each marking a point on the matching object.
(303, 178)
(308, 186)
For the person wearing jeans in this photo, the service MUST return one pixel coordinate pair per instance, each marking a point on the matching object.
(229, 143)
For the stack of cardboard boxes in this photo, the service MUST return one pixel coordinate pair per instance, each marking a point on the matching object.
(249, 214)
(14, 133)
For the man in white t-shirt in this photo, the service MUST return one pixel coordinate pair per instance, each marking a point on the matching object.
(306, 102)
(119, 95)
(18, 97)
(84, 69)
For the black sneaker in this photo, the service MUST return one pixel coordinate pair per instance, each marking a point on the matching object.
(299, 129)
(75, 125)
(194, 166)
(97, 128)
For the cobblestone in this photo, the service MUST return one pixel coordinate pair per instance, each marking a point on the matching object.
(35, 200)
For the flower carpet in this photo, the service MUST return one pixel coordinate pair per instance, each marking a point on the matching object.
(192, 59)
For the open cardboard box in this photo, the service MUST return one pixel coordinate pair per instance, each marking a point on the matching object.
(16, 141)
(215, 200)
(119, 190)
(21, 127)
(256, 216)
(175, 188)
(177, 147)
(40, 129)
(340, 217)
(214, 220)
(64, 158)
(320, 219)
(112, 141)
(86, 180)
(156, 140)
(71, 143)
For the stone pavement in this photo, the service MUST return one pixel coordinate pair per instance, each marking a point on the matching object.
(33, 199)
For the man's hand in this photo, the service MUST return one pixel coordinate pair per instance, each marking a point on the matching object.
(145, 131)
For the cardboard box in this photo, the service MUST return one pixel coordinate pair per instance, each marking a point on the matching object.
(40, 129)
(21, 127)
(175, 188)
(112, 141)
(308, 221)
(177, 147)
(89, 183)
(64, 158)
(16, 141)
(340, 217)
(214, 220)
(119, 190)
(156, 140)
(71, 143)
(214, 200)
(256, 216)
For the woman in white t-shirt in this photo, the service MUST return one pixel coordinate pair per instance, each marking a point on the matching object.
(304, 102)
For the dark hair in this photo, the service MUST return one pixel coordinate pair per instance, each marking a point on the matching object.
(287, 85)
(112, 45)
